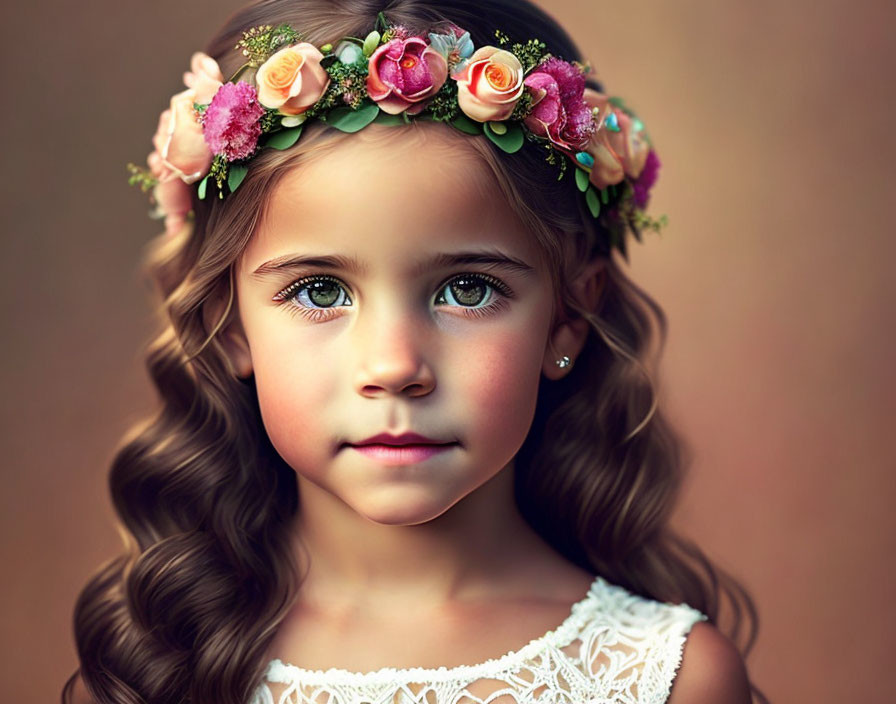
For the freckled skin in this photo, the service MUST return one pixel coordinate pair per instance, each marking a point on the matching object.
(393, 360)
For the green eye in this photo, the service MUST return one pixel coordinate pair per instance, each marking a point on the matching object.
(315, 292)
(320, 293)
(475, 291)
(467, 291)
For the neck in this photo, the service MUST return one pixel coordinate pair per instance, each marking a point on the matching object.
(347, 558)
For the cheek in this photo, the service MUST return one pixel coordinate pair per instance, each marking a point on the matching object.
(500, 384)
(293, 386)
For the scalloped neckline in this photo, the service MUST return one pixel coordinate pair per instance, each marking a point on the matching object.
(562, 635)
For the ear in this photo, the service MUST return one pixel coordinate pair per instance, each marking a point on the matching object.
(570, 330)
(230, 335)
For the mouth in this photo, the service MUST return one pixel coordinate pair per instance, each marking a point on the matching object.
(402, 454)
(402, 439)
(407, 448)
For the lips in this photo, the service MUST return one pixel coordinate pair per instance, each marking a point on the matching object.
(403, 449)
(402, 439)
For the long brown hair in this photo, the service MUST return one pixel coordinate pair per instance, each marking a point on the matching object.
(187, 612)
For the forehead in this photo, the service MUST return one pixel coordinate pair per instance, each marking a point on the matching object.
(402, 190)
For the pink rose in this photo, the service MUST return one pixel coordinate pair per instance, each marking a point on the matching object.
(490, 84)
(617, 153)
(204, 77)
(292, 80)
(171, 194)
(558, 111)
(179, 140)
(403, 73)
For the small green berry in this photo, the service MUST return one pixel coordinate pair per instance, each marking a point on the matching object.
(371, 41)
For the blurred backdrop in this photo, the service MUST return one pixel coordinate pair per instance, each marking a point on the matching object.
(773, 120)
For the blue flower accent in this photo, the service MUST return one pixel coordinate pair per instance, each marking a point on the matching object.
(441, 43)
(612, 123)
(446, 43)
(465, 45)
(348, 52)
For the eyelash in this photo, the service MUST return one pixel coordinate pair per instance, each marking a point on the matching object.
(287, 296)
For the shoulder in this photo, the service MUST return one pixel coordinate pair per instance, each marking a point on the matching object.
(680, 656)
(712, 670)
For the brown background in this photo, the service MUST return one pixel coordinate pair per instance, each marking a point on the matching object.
(773, 120)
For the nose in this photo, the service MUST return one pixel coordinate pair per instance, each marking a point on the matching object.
(391, 356)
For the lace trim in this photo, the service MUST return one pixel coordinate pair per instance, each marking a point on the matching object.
(615, 647)
(671, 660)
(673, 623)
(562, 635)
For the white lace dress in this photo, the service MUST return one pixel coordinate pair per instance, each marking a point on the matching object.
(615, 647)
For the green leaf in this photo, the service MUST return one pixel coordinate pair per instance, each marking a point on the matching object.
(593, 202)
(385, 118)
(604, 196)
(465, 124)
(381, 21)
(348, 120)
(203, 185)
(582, 181)
(511, 141)
(284, 138)
(235, 175)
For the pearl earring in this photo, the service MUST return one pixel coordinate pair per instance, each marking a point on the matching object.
(563, 362)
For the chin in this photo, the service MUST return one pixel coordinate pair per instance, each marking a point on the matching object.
(397, 512)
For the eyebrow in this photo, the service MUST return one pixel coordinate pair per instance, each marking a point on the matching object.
(491, 258)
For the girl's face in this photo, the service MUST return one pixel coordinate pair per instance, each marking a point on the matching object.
(391, 290)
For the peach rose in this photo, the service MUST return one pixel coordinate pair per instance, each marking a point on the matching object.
(204, 77)
(618, 153)
(292, 80)
(179, 140)
(490, 84)
(171, 194)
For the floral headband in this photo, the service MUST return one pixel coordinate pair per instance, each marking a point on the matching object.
(511, 93)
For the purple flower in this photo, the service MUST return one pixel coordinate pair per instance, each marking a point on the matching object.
(559, 111)
(231, 122)
(645, 181)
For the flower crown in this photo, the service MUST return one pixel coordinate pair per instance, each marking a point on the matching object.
(511, 93)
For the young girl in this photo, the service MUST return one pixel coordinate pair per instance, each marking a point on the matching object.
(408, 447)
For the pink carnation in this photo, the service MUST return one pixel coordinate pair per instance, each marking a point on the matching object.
(645, 181)
(559, 112)
(231, 121)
